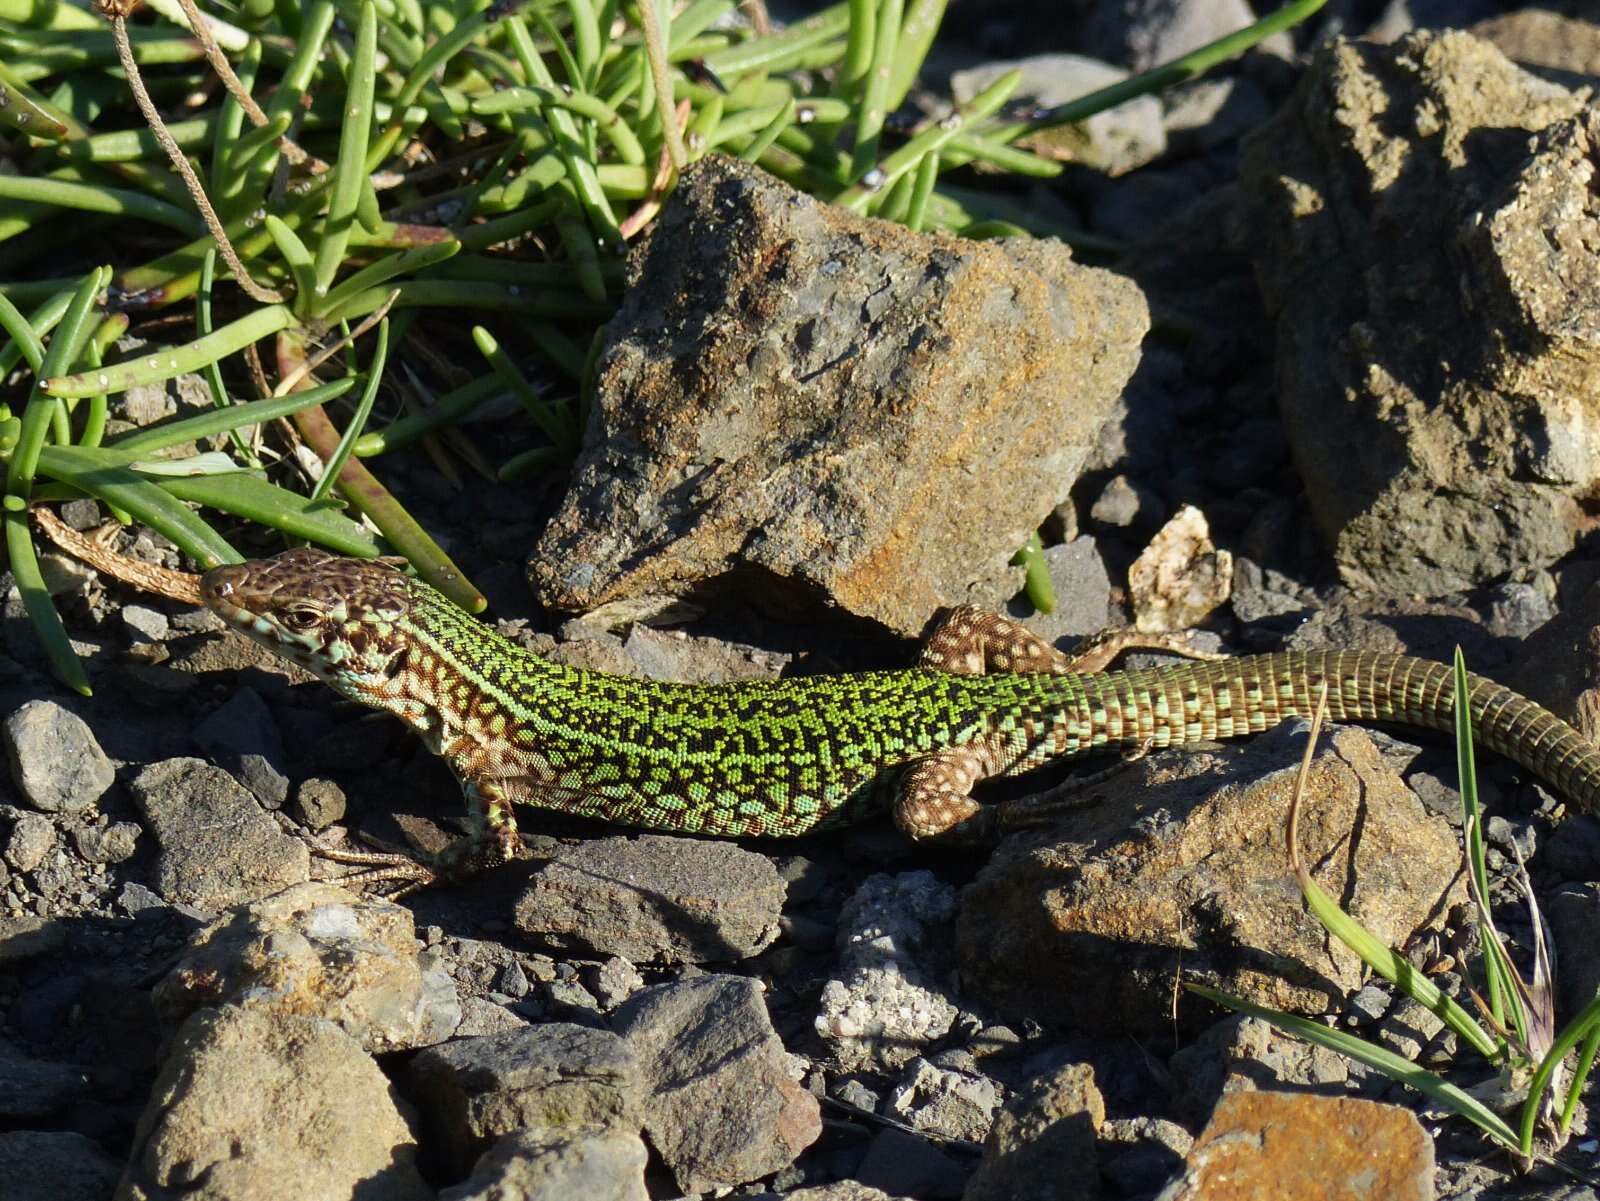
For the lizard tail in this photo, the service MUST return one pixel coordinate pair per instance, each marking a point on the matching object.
(1193, 702)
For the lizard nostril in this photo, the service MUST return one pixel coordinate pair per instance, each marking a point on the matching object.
(220, 582)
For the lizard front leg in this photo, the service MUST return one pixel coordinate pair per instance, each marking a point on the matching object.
(491, 841)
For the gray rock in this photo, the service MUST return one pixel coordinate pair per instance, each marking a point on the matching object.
(1042, 1146)
(615, 981)
(1113, 141)
(722, 1106)
(1242, 1052)
(537, 1165)
(1553, 45)
(787, 392)
(115, 843)
(241, 736)
(1181, 863)
(1141, 1154)
(1409, 1028)
(1572, 911)
(258, 1106)
(55, 760)
(1146, 33)
(32, 837)
(1125, 503)
(1427, 379)
(55, 1165)
(893, 995)
(841, 1190)
(673, 655)
(318, 950)
(146, 624)
(82, 515)
(1402, 16)
(655, 898)
(951, 1104)
(23, 937)
(562, 1079)
(36, 1088)
(1516, 610)
(1207, 113)
(902, 1163)
(217, 847)
(318, 803)
(1559, 665)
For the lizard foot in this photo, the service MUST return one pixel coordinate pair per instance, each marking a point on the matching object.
(392, 875)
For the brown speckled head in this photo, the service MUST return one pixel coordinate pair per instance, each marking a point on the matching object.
(337, 617)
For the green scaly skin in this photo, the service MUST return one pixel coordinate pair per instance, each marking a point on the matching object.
(785, 757)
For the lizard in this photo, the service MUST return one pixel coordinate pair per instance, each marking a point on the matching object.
(784, 757)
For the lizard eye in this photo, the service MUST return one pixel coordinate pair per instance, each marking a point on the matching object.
(301, 617)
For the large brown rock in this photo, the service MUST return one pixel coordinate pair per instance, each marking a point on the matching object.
(1265, 1146)
(1425, 218)
(1180, 867)
(841, 408)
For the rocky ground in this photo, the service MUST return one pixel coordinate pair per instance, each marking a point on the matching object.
(1323, 379)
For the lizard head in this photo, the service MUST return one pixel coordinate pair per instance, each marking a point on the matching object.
(337, 617)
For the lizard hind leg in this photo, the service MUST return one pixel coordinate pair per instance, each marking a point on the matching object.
(935, 797)
(970, 641)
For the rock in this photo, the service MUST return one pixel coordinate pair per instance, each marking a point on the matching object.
(242, 737)
(1241, 1053)
(30, 937)
(115, 843)
(55, 1165)
(1436, 312)
(1042, 1145)
(32, 837)
(832, 405)
(56, 762)
(1180, 578)
(257, 1106)
(1147, 33)
(536, 1165)
(722, 1106)
(1559, 665)
(1125, 504)
(318, 950)
(653, 897)
(1516, 610)
(318, 803)
(892, 997)
(37, 1088)
(145, 624)
(898, 1162)
(842, 1190)
(1572, 911)
(674, 655)
(1142, 1154)
(1181, 865)
(561, 1079)
(1402, 16)
(950, 1104)
(217, 847)
(1550, 44)
(1113, 141)
(1261, 1146)
(1410, 1028)
(1206, 113)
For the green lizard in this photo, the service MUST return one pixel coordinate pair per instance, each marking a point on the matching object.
(784, 757)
